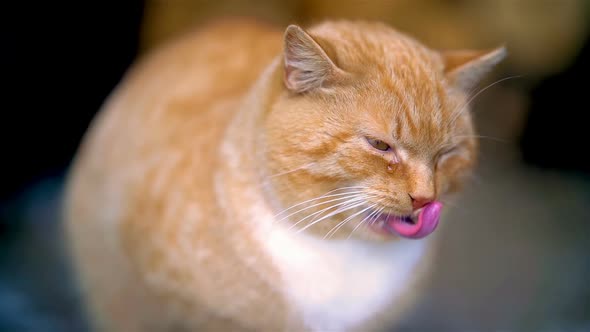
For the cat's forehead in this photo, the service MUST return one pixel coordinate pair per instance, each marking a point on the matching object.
(393, 67)
(399, 83)
(416, 113)
(362, 46)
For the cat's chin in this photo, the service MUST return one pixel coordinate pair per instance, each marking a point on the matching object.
(416, 226)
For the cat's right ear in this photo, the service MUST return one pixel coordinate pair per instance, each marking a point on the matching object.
(307, 66)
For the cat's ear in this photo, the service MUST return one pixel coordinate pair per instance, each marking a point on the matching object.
(307, 65)
(464, 69)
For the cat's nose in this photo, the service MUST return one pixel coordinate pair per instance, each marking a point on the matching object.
(419, 201)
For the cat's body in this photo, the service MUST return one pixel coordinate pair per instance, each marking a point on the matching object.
(176, 202)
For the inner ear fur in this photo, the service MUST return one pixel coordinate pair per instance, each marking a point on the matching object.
(307, 65)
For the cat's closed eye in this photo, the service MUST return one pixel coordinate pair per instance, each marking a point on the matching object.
(446, 153)
(379, 144)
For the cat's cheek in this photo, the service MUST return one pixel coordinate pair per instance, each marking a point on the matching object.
(358, 163)
(452, 173)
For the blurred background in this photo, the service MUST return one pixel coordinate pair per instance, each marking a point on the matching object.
(515, 253)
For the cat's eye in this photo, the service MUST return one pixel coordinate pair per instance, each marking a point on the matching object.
(445, 153)
(379, 144)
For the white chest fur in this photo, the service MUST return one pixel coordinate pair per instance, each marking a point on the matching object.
(337, 285)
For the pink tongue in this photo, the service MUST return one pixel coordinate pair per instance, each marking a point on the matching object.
(426, 223)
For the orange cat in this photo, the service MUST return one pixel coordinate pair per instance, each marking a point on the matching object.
(245, 179)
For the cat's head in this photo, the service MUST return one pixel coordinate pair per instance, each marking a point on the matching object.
(370, 132)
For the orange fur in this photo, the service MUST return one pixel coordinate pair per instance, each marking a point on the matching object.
(208, 138)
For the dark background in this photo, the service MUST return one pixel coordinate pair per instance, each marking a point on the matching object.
(59, 64)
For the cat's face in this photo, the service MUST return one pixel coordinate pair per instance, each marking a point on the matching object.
(375, 139)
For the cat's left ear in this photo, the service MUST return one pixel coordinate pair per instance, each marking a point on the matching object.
(307, 65)
(464, 69)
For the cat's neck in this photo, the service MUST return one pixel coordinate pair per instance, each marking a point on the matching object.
(241, 148)
(238, 181)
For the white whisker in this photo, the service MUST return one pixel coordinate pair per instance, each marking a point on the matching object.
(317, 198)
(482, 136)
(322, 196)
(340, 224)
(371, 216)
(288, 172)
(339, 210)
(349, 196)
(378, 216)
(343, 205)
(463, 106)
